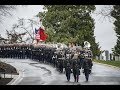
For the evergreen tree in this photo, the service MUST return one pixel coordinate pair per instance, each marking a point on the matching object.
(70, 23)
(116, 14)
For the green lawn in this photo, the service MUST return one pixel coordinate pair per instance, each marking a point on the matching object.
(114, 63)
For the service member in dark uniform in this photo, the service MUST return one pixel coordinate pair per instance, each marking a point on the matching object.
(87, 66)
(68, 71)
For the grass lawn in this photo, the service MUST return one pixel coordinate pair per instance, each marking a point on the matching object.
(8, 68)
(114, 63)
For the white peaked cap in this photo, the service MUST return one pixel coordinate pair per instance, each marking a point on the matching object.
(87, 45)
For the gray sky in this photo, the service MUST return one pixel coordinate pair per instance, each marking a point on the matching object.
(104, 30)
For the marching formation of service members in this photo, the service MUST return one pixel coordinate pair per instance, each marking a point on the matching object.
(66, 60)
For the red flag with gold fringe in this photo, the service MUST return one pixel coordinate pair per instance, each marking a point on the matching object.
(43, 35)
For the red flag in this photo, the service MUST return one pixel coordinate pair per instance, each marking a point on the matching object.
(43, 35)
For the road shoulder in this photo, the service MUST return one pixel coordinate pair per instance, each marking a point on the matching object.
(107, 65)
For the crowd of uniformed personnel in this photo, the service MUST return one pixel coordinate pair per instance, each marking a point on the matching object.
(62, 60)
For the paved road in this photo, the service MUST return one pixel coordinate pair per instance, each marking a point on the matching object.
(35, 73)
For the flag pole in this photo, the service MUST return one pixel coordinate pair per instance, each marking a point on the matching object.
(32, 29)
(40, 20)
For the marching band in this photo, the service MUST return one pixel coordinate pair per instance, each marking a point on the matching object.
(65, 60)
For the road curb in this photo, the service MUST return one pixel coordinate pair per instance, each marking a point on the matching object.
(107, 65)
(17, 78)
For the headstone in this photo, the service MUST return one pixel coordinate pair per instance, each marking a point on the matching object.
(119, 58)
(116, 58)
(96, 57)
(100, 57)
(107, 54)
(111, 56)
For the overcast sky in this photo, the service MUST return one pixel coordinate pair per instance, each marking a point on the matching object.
(104, 30)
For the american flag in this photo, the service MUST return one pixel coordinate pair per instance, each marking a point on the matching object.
(40, 34)
(37, 35)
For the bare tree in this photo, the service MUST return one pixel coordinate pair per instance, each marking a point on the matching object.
(3, 40)
(14, 37)
(28, 28)
(105, 13)
(5, 10)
